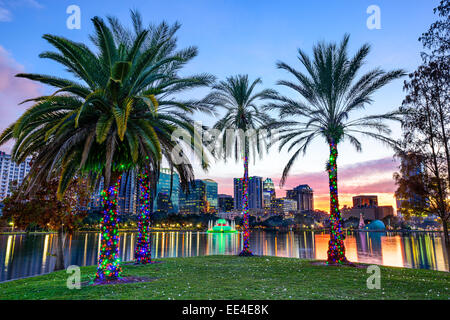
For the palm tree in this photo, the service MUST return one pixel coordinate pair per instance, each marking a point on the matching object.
(163, 93)
(236, 96)
(330, 95)
(105, 124)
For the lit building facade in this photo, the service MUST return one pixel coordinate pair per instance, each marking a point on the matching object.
(372, 213)
(226, 203)
(211, 195)
(268, 194)
(11, 171)
(128, 193)
(201, 198)
(283, 206)
(304, 196)
(365, 201)
(167, 200)
(255, 193)
(367, 207)
(127, 198)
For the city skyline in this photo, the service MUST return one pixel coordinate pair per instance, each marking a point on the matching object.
(128, 196)
(351, 183)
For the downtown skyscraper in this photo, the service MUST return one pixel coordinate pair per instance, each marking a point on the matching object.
(304, 196)
(128, 193)
(255, 193)
(11, 171)
(201, 198)
(166, 198)
(269, 194)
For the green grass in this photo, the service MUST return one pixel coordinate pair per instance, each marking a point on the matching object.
(232, 277)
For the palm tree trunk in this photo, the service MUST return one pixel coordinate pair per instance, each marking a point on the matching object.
(246, 248)
(336, 248)
(143, 253)
(109, 262)
(60, 264)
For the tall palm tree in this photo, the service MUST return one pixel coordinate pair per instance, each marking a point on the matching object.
(163, 93)
(103, 124)
(330, 95)
(242, 116)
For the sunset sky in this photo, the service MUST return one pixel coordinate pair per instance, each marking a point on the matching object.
(241, 37)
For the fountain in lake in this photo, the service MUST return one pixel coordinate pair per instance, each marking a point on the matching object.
(221, 226)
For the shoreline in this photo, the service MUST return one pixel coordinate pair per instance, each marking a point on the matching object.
(124, 263)
(239, 231)
(219, 277)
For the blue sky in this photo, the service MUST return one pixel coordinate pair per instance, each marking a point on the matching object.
(233, 36)
(241, 37)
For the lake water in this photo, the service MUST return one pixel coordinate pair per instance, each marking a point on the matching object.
(25, 255)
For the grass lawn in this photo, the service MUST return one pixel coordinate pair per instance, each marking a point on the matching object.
(233, 277)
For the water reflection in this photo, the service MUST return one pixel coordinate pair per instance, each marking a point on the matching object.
(25, 255)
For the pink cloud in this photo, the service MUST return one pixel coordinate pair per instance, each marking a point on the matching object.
(6, 8)
(380, 186)
(13, 91)
(363, 177)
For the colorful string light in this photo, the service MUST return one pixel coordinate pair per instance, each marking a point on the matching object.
(246, 248)
(109, 262)
(336, 248)
(143, 254)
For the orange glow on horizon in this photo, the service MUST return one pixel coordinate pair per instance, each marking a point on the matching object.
(322, 202)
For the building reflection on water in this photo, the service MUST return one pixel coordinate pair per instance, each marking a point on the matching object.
(25, 255)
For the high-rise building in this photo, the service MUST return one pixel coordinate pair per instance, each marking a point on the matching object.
(127, 198)
(304, 196)
(11, 171)
(237, 185)
(365, 201)
(128, 193)
(192, 201)
(255, 193)
(211, 195)
(269, 186)
(268, 194)
(226, 203)
(367, 207)
(283, 206)
(201, 198)
(167, 200)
